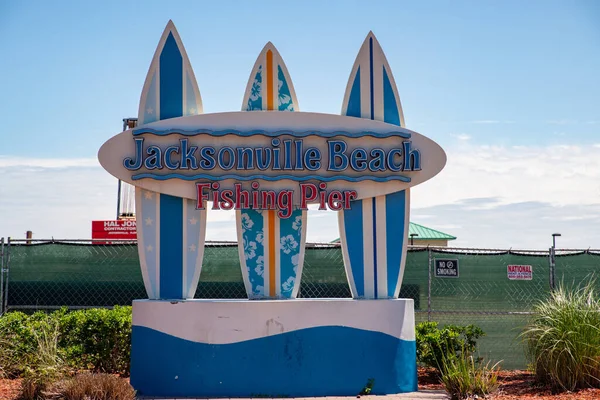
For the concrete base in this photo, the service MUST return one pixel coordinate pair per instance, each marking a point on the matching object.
(273, 348)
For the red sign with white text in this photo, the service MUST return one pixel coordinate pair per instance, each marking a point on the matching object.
(520, 272)
(124, 229)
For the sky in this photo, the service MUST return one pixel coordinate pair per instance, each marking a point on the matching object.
(509, 89)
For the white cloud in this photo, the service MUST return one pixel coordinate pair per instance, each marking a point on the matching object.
(35, 163)
(561, 121)
(491, 121)
(462, 136)
(486, 121)
(526, 225)
(559, 175)
(486, 196)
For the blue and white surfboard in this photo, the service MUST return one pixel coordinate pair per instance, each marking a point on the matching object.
(373, 232)
(170, 230)
(271, 248)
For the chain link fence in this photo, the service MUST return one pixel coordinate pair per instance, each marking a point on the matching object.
(78, 274)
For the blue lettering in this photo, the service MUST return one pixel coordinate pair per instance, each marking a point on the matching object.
(378, 162)
(358, 156)
(287, 154)
(390, 160)
(222, 158)
(208, 159)
(312, 159)
(275, 143)
(411, 155)
(128, 162)
(263, 163)
(299, 165)
(336, 150)
(168, 162)
(249, 152)
(154, 158)
(187, 155)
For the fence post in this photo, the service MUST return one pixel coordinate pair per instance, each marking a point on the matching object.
(551, 262)
(429, 284)
(1, 276)
(5, 300)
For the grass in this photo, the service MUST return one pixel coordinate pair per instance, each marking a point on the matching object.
(9, 358)
(89, 386)
(44, 366)
(563, 338)
(465, 376)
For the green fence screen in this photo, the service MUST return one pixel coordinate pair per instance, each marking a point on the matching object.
(50, 275)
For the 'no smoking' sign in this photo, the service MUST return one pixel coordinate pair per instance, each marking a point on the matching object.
(446, 268)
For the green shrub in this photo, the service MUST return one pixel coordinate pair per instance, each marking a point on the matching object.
(464, 377)
(563, 338)
(20, 335)
(433, 343)
(94, 339)
(98, 339)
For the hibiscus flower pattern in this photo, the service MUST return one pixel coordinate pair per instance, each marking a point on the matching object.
(288, 243)
(252, 221)
(260, 237)
(285, 102)
(247, 223)
(290, 236)
(289, 252)
(249, 249)
(288, 285)
(252, 227)
(260, 266)
(255, 98)
(295, 263)
(297, 224)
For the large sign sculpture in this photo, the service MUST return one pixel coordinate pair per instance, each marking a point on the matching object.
(268, 162)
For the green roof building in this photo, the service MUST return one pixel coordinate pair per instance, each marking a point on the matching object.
(423, 236)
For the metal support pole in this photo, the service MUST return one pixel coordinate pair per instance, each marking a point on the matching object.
(5, 302)
(128, 123)
(119, 199)
(429, 285)
(553, 262)
(1, 276)
(552, 268)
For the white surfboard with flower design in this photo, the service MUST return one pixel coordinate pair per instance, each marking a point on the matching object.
(271, 248)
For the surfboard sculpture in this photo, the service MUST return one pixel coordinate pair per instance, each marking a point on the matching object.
(170, 230)
(361, 163)
(271, 248)
(373, 232)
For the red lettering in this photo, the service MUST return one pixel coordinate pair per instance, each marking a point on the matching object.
(285, 203)
(322, 194)
(334, 200)
(305, 198)
(215, 193)
(266, 196)
(227, 202)
(200, 196)
(239, 193)
(349, 195)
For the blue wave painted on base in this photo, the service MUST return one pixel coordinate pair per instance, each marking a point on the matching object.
(164, 177)
(320, 361)
(200, 131)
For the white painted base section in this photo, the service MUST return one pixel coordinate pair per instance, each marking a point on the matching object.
(231, 321)
(271, 348)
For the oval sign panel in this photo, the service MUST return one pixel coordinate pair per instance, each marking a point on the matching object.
(269, 159)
